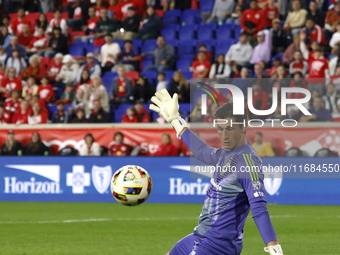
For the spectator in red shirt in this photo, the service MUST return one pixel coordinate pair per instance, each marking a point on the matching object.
(270, 12)
(45, 90)
(25, 37)
(131, 115)
(58, 21)
(10, 83)
(17, 23)
(202, 47)
(313, 32)
(34, 68)
(54, 66)
(5, 117)
(39, 42)
(21, 115)
(37, 116)
(77, 15)
(260, 101)
(201, 67)
(332, 19)
(12, 104)
(297, 82)
(298, 64)
(251, 20)
(115, 10)
(166, 148)
(118, 148)
(142, 114)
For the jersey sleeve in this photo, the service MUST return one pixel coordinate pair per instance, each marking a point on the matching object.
(251, 178)
(200, 149)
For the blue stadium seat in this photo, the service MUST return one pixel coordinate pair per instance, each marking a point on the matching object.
(224, 32)
(91, 48)
(151, 75)
(186, 33)
(77, 51)
(211, 26)
(80, 44)
(187, 75)
(191, 12)
(172, 26)
(146, 63)
(149, 45)
(186, 47)
(169, 34)
(118, 114)
(137, 43)
(188, 19)
(171, 17)
(185, 108)
(205, 33)
(120, 42)
(222, 47)
(190, 26)
(206, 5)
(169, 75)
(209, 43)
(237, 31)
(183, 64)
(110, 75)
(189, 57)
(172, 42)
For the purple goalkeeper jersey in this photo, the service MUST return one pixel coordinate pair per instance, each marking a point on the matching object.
(235, 188)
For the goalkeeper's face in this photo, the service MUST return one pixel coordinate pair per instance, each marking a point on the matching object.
(232, 135)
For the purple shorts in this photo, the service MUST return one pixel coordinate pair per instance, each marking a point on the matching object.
(193, 245)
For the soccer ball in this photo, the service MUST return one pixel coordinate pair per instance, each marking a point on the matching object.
(131, 185)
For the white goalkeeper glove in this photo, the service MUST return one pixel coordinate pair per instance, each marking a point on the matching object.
(168, 108)
(274, 250)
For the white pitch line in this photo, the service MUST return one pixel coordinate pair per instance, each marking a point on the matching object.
(52, 221)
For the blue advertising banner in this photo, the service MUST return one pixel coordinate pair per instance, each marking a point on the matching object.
(87, 179)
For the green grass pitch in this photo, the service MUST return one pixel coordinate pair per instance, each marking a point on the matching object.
(150, 229)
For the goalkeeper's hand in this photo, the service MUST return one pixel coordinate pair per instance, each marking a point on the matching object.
(274, 250)
(168, 108)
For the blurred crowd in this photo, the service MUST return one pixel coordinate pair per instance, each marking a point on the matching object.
(89, 147)
(46, 76)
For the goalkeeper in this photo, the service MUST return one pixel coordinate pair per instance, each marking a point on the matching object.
(231, 194)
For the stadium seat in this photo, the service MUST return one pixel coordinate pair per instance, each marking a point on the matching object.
(185, 108)
(120, 111)
(205, 33)
(222, 47)
(169, 75)
(191, 12)
(150, 75)
(133, 75)
(173, 42)
(68, 151)
(186, 33)
(137, 43)
(188, 57)
(146, 63)
(186, 47)
(293, 152)
(64, 15)
(324, 152)
(183, 64)
(206, 5)
(149, 45)
(188, 19)
(77, 50)
(169, 34)
(120, 42)
(237, 31)
(187, 75)
(211, 26)
(49, 16)
(172, 26)
(160, 13)
(171, 17)
(110, 75)
(32, 16)
(224, 32)
(107, 84)
(93, 49)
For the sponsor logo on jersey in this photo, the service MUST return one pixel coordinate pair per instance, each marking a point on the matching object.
(256, 185)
